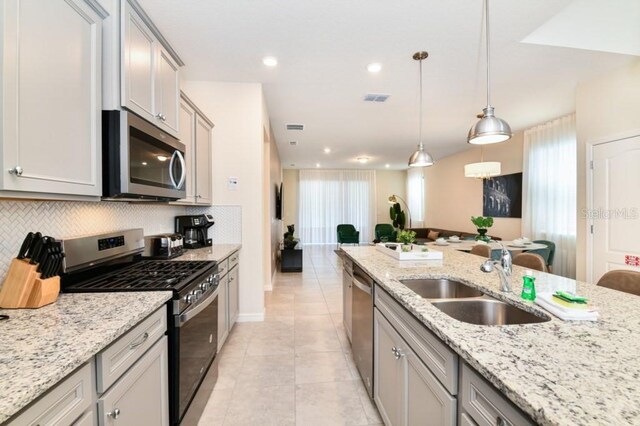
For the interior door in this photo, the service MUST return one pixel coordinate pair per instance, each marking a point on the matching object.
(615, 212)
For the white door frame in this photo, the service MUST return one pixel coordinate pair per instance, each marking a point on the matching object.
(589, 158)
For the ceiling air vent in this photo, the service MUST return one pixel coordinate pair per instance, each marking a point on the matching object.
(295, 126)
(293, 143)
(375, 97)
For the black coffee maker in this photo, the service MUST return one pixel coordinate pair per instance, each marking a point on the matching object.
(194, 230)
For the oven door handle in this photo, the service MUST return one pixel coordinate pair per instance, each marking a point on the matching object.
(192, 312)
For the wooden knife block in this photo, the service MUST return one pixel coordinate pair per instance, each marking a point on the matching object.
(23, 287)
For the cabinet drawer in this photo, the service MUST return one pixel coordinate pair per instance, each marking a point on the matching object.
(440, 359)
(465, 420)
(485, 405)
(140, 397)
(223, 267)
(233, 260)
(88, 419)
(112, 362)
(64, 403)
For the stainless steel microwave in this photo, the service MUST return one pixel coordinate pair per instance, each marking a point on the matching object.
(140, 161)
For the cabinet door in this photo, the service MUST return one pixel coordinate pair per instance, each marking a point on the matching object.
(167, 85)
(427, 401)
(187, 137)
(223, 310)
(140, 397)
(138, 68)
(203, 161)
(389, 371)
(51, 121)
(88, 419)
(234, 293)
(346, 301)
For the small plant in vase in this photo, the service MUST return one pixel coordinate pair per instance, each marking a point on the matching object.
(290, 242)
(482, 224)
(407, 238)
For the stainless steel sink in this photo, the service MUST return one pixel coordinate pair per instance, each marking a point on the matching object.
(441, 288)
(487, 311)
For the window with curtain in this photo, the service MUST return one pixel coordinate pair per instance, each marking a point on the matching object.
(415, 196)
(328, 198)
(549, 189)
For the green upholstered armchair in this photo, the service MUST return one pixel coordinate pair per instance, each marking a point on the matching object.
(385, 230)
(347, 234)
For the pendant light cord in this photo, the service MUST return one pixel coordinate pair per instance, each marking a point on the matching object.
(420, 145)
(486, 18)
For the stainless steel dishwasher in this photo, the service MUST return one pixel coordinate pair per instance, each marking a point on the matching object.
(362, 325)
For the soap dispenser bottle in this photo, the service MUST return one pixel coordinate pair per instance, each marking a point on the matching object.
(528, 286)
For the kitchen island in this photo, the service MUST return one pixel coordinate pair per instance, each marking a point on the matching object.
(40, 347)
(556, 372)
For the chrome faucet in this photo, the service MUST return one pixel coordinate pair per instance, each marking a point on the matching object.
(503, 267)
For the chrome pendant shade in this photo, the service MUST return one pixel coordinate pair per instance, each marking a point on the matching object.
(490, 129)
(420, 158)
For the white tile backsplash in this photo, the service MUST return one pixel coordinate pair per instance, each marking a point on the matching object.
(62, 219)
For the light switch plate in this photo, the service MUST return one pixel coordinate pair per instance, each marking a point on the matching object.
(232, 183)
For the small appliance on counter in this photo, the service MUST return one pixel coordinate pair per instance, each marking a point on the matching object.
(163, 246)
(194, 230)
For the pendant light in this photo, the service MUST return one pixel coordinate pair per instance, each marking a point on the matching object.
(490, 129)
(420, 158)
(483, 169)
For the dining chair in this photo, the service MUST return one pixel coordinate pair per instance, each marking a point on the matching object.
(483, 250)
(546, 253)
(621, 280)
(531, 261)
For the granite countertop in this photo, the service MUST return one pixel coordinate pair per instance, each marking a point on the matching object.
(216, 252)
(40, 347)
(558, 372)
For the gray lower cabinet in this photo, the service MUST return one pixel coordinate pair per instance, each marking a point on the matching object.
(88, 419)
(228, 296)
(405, 391)
(140, 396)
(347, 283)
(234, 293)
(223, 311)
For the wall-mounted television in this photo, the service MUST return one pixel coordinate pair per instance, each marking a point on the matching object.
(279, 197)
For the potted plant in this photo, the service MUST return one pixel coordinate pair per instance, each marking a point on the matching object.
(397, 216)
(290, 242)
(407, 238)
(482, 223)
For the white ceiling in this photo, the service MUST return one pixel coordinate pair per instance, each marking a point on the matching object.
(324, 46)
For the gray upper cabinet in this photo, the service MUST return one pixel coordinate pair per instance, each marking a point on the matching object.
(51, 121)
(150, 76)
(195, 133)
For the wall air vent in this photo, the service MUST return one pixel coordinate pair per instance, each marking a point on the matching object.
(295, 126)
(293, 143)
(375, 97)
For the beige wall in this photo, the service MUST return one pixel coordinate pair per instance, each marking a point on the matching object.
(389, 182)
(607, 108)
(237, 111)
(451, 199)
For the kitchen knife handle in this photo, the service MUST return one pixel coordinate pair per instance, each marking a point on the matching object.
(24, 248)
(35, 255)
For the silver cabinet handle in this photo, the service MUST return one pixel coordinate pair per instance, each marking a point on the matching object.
(17, 171)
(159, 116)
(134, 345)
(114, 414)
(397, 353)
(230, 278)
(233, 259)
(501, 422)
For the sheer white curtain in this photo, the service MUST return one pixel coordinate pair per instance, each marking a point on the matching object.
(549, 189)
(328, 198)
(415, 196)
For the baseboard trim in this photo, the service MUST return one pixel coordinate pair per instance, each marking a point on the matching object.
(254, 317)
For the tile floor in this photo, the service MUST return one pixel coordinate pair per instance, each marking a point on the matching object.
(296, 367)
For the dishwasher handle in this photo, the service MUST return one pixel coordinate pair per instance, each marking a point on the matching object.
(362, 285)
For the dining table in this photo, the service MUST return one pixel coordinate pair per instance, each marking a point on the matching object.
(467, 245)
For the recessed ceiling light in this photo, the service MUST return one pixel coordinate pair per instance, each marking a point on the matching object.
(363, 160)
(318, 165)
(270, 61)
(327, 150)
(374, 67)
(387, 166)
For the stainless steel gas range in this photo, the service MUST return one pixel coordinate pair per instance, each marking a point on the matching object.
(112, 263)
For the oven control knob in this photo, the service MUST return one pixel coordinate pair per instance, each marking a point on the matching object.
(204, 286)
(211, 279)
(197, 294)
(190, 298)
